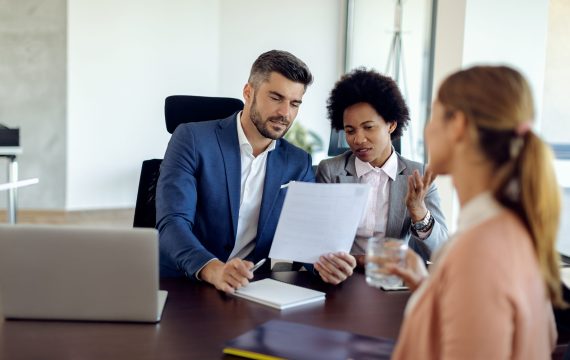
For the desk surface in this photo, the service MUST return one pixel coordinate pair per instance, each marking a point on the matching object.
(197, 320)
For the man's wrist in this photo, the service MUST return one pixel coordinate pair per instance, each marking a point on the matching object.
(206, 272)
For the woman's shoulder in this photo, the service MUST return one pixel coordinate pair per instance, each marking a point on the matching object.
(411, 165)
(499, 240)
(336, 162)
(505, 225)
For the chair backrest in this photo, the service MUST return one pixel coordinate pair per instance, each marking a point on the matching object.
(145, 210)
(178, 109)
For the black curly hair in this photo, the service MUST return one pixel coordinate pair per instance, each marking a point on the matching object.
(368, 86)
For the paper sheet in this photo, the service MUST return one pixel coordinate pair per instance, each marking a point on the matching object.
(317, 219)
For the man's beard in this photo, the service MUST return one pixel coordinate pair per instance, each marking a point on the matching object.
(264, 127)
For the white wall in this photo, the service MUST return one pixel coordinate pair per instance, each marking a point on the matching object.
(556, 107)
(308, 29)
(490, 32)
(511, 32)
(124, 58)
(120, 73)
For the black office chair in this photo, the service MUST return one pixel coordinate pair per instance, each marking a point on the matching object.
(178, 109)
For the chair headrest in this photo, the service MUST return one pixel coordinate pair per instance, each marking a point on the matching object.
(180, 109)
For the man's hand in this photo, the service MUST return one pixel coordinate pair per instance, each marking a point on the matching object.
(413, 273)
(417, 190)
(228, 277)
(334, 268)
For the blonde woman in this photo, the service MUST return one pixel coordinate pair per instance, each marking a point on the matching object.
(489, 293)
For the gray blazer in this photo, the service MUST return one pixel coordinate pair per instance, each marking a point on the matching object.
(342, 169)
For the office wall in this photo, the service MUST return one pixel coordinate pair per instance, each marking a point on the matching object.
(311, 30)
(485, 31)
(32, 95)
(556, 113)
(124, 58)
(120, 73)
(497, 33)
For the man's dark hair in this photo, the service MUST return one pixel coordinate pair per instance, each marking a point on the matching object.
(283, 63)
(368, 86)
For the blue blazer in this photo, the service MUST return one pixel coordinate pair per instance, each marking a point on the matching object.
(198, 195)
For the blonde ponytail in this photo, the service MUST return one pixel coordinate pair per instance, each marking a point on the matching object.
(540, 203)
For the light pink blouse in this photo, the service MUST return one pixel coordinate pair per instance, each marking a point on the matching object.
(485, 297)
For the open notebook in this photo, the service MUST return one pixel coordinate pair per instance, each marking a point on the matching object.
(279, 295)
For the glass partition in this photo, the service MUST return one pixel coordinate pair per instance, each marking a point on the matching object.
(395, 37)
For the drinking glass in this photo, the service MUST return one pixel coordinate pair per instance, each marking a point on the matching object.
(381, 251)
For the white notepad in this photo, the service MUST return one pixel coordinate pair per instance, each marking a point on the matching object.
(279, 295)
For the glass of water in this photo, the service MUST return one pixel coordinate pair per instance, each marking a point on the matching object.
(380, 252)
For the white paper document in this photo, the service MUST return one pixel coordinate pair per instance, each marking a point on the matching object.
(279, 295)
(317, 219)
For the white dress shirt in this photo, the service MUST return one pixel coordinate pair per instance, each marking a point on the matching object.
(252, 181)
(375, 218)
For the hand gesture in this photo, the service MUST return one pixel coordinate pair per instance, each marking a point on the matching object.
(228, 277)
(413, 273)
(417, 190)
(334, 268)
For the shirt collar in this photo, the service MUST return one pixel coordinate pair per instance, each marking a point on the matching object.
(482, 207)
(390, 167)
(243, 139)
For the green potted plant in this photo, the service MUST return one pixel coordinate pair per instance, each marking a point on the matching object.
(306, 139)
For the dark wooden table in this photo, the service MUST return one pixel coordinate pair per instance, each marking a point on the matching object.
(197, 320)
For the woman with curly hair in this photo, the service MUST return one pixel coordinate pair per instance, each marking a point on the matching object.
(404, 202)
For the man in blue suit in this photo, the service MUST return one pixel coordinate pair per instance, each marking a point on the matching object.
(219, 194)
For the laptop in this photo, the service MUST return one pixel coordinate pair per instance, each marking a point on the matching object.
(72, 273)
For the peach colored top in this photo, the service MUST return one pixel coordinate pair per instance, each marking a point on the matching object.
(485, 297)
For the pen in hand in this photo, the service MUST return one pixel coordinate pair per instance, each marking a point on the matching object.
(258, 265)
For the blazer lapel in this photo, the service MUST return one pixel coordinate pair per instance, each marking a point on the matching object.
(347, 179)
(276, 160)
(397, 204)
(229, 146)
(350, 170)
